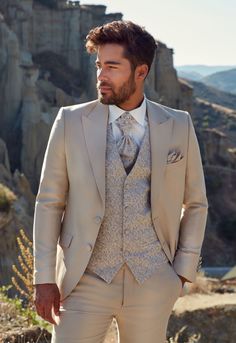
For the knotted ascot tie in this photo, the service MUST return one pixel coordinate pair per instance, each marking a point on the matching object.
(127, 147)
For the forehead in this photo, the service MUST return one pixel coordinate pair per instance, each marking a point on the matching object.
(114, 52)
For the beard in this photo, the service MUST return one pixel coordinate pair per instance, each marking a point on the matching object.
(119, 96)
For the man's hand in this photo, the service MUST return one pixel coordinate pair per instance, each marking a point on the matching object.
(47, 298)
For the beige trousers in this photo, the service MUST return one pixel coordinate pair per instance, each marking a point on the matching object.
(141, 311)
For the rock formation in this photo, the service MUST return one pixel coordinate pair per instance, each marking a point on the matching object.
(216, 130)
(10, 79)
(18, 216)
(35, 128)
(164, 81)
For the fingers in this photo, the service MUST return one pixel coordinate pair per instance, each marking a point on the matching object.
(47, 299)
(48, 315)
(45, 311)
(56, 306)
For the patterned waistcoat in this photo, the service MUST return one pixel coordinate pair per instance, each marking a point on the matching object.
(127, 234)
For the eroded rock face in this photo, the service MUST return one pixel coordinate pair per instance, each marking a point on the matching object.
(164, 81)
(10, 79)
(220, 239)
(19, 216)
(217, 148)
(215, 128)
(35, 126)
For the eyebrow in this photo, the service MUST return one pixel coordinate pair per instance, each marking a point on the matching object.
(109, 62)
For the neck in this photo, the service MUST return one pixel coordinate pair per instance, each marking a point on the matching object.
(132, 102)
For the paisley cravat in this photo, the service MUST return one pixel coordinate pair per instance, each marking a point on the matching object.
(127, 147)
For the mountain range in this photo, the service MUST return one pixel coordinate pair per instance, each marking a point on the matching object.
(223, 80)
(219, 77)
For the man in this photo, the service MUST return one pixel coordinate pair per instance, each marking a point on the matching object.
(121, 208)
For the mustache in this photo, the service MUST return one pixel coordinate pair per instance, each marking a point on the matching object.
(103, 84)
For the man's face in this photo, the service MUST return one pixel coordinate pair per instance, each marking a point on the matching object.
(115, 79)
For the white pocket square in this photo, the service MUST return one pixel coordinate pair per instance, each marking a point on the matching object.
(174, 156)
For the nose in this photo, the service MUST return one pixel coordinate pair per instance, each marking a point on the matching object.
(101, 75)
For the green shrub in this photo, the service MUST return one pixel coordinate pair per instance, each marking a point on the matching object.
(18, 308)
(23, 303)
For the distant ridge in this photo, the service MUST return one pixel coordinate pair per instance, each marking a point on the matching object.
(224, 80)
(213, 95)
(203, 70)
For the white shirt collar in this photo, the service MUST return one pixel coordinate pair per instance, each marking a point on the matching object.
(138, 113)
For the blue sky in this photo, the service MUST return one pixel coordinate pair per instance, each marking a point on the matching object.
(199, 31)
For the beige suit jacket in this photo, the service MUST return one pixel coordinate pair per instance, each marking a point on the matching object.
(70, 203)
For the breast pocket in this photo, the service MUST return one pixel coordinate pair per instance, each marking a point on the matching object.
(175, 164)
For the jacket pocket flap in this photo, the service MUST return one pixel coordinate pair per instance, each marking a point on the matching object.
(65, 240)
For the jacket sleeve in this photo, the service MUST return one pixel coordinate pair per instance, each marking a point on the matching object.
(195, 205)
(50, 204)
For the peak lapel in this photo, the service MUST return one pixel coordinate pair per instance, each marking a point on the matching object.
(161, 124)
(95, 132)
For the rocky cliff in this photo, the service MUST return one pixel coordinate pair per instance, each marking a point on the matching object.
(16, 212)
(216, 127)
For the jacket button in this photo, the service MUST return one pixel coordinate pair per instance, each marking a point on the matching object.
(97, 219)
(89, 247)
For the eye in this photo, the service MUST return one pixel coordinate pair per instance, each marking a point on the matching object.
(97, 66)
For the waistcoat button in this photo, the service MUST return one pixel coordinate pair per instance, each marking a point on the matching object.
(89, 247)
(97, 219)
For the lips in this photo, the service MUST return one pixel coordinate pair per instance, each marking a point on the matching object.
(105, 89)
(104, 86)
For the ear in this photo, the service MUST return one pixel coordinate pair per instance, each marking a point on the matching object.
(141, 71)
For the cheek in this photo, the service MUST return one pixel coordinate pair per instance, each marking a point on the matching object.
(121, 79)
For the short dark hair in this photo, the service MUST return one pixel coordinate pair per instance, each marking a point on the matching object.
(139, 45)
